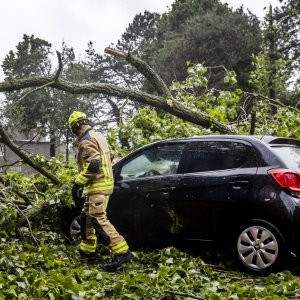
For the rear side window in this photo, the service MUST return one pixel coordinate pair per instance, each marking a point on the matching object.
(217, 155)
(290, 155)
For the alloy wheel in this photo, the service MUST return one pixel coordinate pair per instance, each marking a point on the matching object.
(75, 228)
(257, 247)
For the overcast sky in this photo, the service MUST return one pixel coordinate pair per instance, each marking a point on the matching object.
(79, 21)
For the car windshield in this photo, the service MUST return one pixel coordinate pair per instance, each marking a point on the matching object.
(290, 155)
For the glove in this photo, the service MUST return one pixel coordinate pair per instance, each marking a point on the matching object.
(77, 192)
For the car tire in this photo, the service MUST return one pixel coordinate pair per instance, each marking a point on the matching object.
(71, 227)
(260, 247)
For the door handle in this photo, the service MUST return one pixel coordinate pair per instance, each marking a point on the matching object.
(167, 189)
(238, 184)
(163, 189)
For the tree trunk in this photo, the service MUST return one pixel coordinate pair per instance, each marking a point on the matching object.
(67, 144)
(272, 60)
(53, 145)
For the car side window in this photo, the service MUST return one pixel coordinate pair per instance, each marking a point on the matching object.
(156, 161)
(216, 155)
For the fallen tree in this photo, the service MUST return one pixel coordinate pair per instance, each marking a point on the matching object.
(163, 100)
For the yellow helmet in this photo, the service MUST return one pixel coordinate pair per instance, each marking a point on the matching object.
(75, 117)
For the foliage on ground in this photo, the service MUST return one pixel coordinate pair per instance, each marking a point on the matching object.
(54, 270)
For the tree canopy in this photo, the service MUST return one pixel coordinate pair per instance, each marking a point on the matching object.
(206, 32)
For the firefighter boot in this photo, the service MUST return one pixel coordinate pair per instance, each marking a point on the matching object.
(85, 255)
(117, 261)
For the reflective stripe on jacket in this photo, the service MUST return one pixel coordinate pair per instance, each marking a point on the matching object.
(93, 147)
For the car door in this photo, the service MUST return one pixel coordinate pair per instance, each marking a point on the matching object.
(217, 178)
(142, 204)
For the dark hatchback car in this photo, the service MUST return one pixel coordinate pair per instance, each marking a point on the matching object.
(241, 191)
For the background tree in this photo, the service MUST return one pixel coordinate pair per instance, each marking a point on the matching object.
(275, 68)
(287, 20)
(32, 58)
(205, 32)
(287, 16)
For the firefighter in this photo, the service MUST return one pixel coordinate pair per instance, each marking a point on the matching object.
(96, 178)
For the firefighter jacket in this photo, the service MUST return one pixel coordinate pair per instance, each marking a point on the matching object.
(94, 163)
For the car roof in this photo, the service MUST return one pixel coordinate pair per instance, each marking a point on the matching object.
(267, 139)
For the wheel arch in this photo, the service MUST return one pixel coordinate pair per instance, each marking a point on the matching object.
(276, 218)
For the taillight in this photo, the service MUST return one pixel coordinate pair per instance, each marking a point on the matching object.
(287, 179)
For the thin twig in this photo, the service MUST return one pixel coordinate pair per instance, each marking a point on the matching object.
(272, 101)
(29, 141)
(30, 92)
(11, 164)
(36, 192)
(104, 122)
(35, 240)
(219, 67)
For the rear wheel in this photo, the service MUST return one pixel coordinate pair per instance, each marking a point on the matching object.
(260, 247)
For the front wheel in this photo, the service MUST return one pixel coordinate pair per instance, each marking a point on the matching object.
(260, 247)
(71, 227)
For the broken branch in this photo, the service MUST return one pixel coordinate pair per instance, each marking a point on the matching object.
(11, 164)
(60, 66)
(35, 240)
(26, 159)
(177, 109)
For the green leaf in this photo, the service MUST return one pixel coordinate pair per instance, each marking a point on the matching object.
(22, 285)
(226, 79)
(170, 260)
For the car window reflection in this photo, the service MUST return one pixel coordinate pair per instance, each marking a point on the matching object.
(162, 160)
